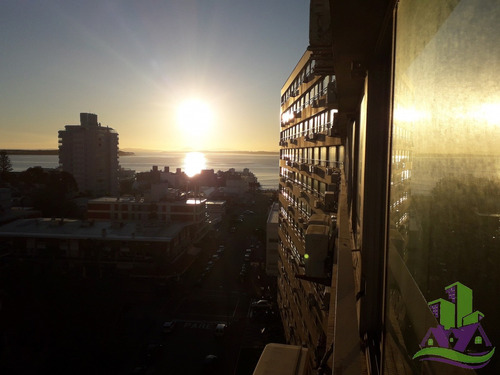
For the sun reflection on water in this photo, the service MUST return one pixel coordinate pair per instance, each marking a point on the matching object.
(194, 163)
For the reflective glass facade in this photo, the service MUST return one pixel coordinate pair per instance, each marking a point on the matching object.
(444, 224)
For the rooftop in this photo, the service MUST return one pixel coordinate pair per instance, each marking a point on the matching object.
(77, 229)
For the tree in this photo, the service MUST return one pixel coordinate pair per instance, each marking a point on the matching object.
(5, 165)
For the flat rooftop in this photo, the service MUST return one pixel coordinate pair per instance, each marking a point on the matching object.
(78, 229)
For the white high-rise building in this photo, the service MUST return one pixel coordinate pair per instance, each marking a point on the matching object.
(89, 152)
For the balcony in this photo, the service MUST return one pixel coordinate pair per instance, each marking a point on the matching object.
(311, 136)
(318, 103)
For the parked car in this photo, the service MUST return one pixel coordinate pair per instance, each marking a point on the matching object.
(220, 329)
(168, 327)
(262, 303)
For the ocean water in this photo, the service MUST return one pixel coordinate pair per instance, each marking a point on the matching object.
(264, 166)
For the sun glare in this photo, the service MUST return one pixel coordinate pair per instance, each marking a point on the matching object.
(194, 117)
(194, 163)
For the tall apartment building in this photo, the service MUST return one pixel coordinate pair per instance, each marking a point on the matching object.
(89, 152)
(361, 256)
(312, 155)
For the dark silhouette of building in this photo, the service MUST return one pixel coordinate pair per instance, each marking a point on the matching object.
(89, 152)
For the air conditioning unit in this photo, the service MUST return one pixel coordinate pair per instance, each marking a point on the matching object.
(331, 199)
(316, 248)
(335, 177)
(331, 95)
(312, 136)
(308, 78)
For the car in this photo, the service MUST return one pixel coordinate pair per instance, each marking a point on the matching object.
(168, 327)
(209, 359)
(233, 229)
(247, 257)
(261, 303)
(215, 257)
(220, 329)
(210, 363)
(248, 251)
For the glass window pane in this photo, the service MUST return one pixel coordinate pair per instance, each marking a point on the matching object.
(445, 191)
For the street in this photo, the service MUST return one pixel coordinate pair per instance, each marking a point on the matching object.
(60, 323)
(214, 290)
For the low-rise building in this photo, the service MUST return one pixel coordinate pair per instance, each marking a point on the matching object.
(99, 248)
(272, 238)
(189, 211)
(215, 210)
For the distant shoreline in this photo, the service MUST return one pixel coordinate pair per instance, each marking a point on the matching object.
(52, 152)
(131, 153)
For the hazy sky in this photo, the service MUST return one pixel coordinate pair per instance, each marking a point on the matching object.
(134, 62)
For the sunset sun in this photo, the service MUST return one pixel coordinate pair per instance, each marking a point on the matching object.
(194, 117)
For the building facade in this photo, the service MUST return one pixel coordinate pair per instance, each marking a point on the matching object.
(189, 211)
(99, 249)
(385, 91)
(89, 152)
(272, 255)
(311, 158)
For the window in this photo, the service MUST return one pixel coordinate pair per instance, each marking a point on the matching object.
(443, 223)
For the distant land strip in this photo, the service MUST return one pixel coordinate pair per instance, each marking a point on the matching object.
(51, 152)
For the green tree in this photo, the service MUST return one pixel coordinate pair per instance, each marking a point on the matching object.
(5, 165)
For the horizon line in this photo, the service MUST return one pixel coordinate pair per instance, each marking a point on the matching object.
(132, 149)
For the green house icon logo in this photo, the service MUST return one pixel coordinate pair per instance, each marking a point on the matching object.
(459, 339)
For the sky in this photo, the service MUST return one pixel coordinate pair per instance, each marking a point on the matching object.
(170, 75)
